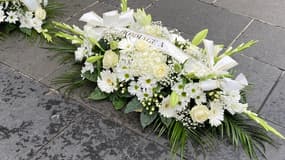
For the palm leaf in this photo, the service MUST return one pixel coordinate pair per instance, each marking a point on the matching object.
(241, 131)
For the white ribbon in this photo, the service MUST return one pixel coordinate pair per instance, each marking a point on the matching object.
(32, 5)
(118, 22)
(225, 84)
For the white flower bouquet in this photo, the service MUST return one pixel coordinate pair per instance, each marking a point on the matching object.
(29, 16)
(184, 90)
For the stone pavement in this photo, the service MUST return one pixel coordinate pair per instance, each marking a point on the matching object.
(37, 122)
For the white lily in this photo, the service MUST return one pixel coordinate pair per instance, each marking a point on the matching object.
(226, 84)
(32, 5)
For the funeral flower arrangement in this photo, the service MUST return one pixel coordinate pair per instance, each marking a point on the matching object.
(26, 15)
(184, 90)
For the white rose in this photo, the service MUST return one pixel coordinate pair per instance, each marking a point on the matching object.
(110, 59)
(200, 113)
(40, 13)
(141, 45)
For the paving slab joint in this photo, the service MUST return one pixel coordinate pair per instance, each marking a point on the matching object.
(241, 32)
(271, 91)
(59, 133)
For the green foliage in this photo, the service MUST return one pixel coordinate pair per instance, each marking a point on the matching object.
(243, 132)
(198, 38)
(69, 81)
(174, 99)
(91, 76)
(263, 124)
(124, 5)
(230, 51)
(118, 102)
(142, 18)
(147, 119)
(133, 105)
(97, 95)
(93, 59)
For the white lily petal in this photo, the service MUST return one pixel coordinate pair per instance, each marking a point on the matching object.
(32, 5)
(225, 64)
(209, 46)
(92, 18)
(127, 18)
(242, 79)
(111, 18)
(230, 85)
(93, 32)
(209, 85)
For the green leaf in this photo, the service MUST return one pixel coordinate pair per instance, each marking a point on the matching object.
(91, 76)
(124, 5)
(263, 123)
(8, 28)
(198, 38)
(27, 31)
(93, 59)
(165, 121)
(147, 119)
(133, 105)
(118, 103)
(174, 99)
(97, 94)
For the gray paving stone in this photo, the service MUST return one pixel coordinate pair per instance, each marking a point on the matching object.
(131, 3)
(30, 115)
(95, 138)
(208, 1)
(72, 7)
(274, 109)
(26, 56)
(270, 48)
(261, 77)
(191, 16)
(269, 11)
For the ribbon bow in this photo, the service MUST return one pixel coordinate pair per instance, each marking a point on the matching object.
(110, 19)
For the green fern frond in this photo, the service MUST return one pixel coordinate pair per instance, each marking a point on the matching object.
(241, 131)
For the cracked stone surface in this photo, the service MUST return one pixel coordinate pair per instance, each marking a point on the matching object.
(93, 137)
(30, 115)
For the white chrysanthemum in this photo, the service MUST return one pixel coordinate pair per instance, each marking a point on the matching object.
(216, 115)
(37, 24)
(87, 67)
(12, 17)
(134, 88)
(123, 72)
(166, 109)
(178, 88)
(127, 44)
(236, 108)
(79, 54)
(26, 20)
(200, 99)
(193, 90)
(146, 82)
(107, 81)
(197, 68)
(2, 15)
(231, 97)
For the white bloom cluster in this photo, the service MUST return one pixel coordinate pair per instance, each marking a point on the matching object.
(196, 92)
(27, 13)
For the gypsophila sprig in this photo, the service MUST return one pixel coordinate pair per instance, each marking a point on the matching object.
(184, 87)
